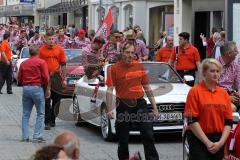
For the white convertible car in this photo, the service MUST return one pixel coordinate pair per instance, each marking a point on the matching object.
(23, 55)
(169, 90)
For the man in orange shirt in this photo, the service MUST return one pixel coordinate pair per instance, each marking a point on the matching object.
(5, 64)
(130, 80)
(164, 54)
(186, 57)
(55, 58)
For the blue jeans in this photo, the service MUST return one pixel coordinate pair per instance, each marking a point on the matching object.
(33, 95)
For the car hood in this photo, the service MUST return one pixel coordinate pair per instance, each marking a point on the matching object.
(169, 92)
(163, 92)
(72, 68)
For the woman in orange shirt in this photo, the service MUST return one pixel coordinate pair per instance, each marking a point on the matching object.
(209, 114)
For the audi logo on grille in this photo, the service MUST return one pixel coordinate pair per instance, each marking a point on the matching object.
(167, 107)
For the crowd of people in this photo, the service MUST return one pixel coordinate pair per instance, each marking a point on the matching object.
(209, 117)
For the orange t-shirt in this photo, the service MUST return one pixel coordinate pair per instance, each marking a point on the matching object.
(53, 57)
(187, 58)
(128, 79)
(5, 47)
(211, 108)
(164, 54)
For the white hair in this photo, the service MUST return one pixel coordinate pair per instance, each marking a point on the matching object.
(216, 37)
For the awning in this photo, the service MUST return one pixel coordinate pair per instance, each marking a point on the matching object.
(16, 10)
(64, 7)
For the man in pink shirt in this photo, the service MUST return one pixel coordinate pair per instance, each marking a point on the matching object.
(62, 39)
(21, 41)
(92, 56)
(81, 40)
(140, 47)
(36, 40)
(111, 51)
(230, 75)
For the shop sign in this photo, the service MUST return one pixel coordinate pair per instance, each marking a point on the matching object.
(27, 1)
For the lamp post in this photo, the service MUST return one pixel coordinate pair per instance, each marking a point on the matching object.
(5, 11)
(100, 11)
(45, 16)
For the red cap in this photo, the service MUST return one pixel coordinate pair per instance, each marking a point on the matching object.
(82, 31)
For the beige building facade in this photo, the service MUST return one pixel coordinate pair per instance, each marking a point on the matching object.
(152, 16)
(199, 16)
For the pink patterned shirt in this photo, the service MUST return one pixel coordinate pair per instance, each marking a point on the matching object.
(230, 76)
(90, 56)
(110, 52)
(82, 43)
(38, 42)
(62, 41)
(141, 49)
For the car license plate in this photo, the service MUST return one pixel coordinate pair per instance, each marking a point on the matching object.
(71, 81)
(170, 116)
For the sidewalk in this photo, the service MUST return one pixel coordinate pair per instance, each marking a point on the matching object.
(92, 146)
(10, 128)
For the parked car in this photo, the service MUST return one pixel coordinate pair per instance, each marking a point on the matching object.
(75, 70)
(17, 60)
(170, 92)
(73, 65)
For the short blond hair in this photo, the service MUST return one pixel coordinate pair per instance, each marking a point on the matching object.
(208, 62)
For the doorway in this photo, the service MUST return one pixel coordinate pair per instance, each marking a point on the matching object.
(202, 25)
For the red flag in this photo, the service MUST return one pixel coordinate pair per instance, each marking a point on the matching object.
(104, 29)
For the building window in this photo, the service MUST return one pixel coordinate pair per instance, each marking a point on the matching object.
(128, 10)
(115, 11)
(101, 14)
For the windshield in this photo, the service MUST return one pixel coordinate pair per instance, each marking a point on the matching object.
(25, 53)
(74, 55)
(160, 73)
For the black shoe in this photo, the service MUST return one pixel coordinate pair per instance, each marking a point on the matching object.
(10, 92)
(38, 140)
(47, 127)
(53, 124)
(1, 92)
(25, 140)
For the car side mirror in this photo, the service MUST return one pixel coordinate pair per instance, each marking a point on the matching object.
(14, 57)
(236, 117)
(188, 78)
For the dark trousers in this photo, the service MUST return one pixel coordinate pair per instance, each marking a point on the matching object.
(182, 73)
(51, 109)
(6, 75)
(136, 113)
(198, 150)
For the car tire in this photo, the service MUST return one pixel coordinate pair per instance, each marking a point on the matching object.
(106, 128)
(76, 112)
(185, 147)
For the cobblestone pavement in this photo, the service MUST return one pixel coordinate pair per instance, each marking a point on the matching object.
(93, 147)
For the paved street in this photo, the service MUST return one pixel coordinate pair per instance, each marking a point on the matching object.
(93, 147)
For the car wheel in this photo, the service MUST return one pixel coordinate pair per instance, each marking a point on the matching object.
(76, 111)
(106, 128)
(185, 148)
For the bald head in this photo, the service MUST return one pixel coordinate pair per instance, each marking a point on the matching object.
(169, 41)
(70, 142)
